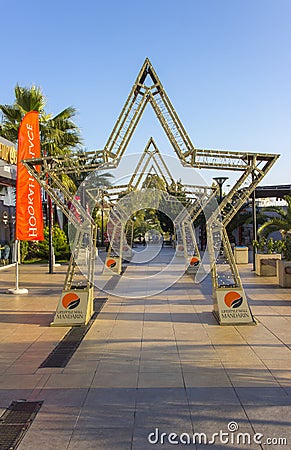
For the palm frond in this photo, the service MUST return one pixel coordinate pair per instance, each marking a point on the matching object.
(67, 113)
(275, 209)
(274, 224)
(29, 99)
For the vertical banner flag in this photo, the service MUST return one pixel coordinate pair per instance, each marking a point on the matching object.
(29, 220)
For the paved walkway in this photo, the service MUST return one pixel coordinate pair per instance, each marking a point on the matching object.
(152, 365)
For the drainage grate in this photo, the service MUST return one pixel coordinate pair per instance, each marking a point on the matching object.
(63, 352)
(15, 422)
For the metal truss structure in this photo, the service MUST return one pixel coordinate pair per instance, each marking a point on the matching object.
(148, 89)
(195, 198)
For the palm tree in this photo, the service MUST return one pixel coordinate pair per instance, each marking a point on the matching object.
(99, 180)
(281, 222)
(26, 99)
(59, 134)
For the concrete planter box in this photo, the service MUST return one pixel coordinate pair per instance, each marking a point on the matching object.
(241, 255)
(265, 269)
(284, 273)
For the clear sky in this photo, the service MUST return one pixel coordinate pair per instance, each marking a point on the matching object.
(225, 64)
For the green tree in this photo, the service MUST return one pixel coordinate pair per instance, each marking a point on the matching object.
(59, 134)
(98, 179)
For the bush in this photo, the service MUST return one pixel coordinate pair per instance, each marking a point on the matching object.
(287, 247)
(23, 250)
(269, 245)
(60, 244)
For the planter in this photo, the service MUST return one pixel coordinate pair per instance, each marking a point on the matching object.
(266, 264)
(284, 273)
(241, 255)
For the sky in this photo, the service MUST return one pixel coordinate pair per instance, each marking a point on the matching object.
(225, 64)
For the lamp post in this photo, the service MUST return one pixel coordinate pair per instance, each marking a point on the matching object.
(254, 215)
(102, 219)
(132, 230)
(104, 207)
(220, 181)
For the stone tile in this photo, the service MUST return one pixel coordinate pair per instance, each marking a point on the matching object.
(52, 439)
(211, 419)
(164, 417)
(225, 369)
(69, 380)
(160, 380)
(118, 365)
(81, 366)
(101, 439)
(206, 378)
(20, 381)
(263, 395)
(271, 421)
(250, 378)
(63, 396)
(278, 363)
(9, 395)
(212, 396)
(161, 397)
(159, 354)
(277, 352)
(107, 416)
(157, 366)
(98, 397)
(106, 379)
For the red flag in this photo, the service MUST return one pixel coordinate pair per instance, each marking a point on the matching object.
(29, 220)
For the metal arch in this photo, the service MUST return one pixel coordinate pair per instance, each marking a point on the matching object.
(253, 167)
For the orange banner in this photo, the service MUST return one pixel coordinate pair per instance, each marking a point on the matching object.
(29, 220)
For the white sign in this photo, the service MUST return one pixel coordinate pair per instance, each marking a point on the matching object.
(75, 308)
(231, 307)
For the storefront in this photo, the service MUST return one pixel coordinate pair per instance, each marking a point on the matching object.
(8, 160)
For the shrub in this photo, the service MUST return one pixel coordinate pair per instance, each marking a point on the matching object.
(23, 250)
(60, 244)
(40, 249)
(269, 245)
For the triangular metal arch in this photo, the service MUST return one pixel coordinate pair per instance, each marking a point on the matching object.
(140, 95)
(151, 154)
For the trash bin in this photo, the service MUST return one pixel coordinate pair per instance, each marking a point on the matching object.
(241, 255)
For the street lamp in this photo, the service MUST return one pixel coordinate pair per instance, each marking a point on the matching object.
(102, 219)
(220, 181)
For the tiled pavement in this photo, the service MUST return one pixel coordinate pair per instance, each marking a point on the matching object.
(148, 363)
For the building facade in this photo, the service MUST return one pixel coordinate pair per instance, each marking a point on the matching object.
(8, 161)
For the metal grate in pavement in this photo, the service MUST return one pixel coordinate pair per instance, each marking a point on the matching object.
(15, 422)
(62, 353)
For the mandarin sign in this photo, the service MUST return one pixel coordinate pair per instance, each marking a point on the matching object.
(8, 153)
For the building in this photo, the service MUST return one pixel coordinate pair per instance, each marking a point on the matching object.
(8, 161)
(265, 196)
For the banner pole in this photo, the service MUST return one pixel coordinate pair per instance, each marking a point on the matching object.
(17, 290)
(17, 265)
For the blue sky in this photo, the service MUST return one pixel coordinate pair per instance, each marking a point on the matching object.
(226, 66)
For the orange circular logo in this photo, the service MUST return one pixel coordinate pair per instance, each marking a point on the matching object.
(233, 299)
(194, 261)
(111, 263)
(70, 300)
